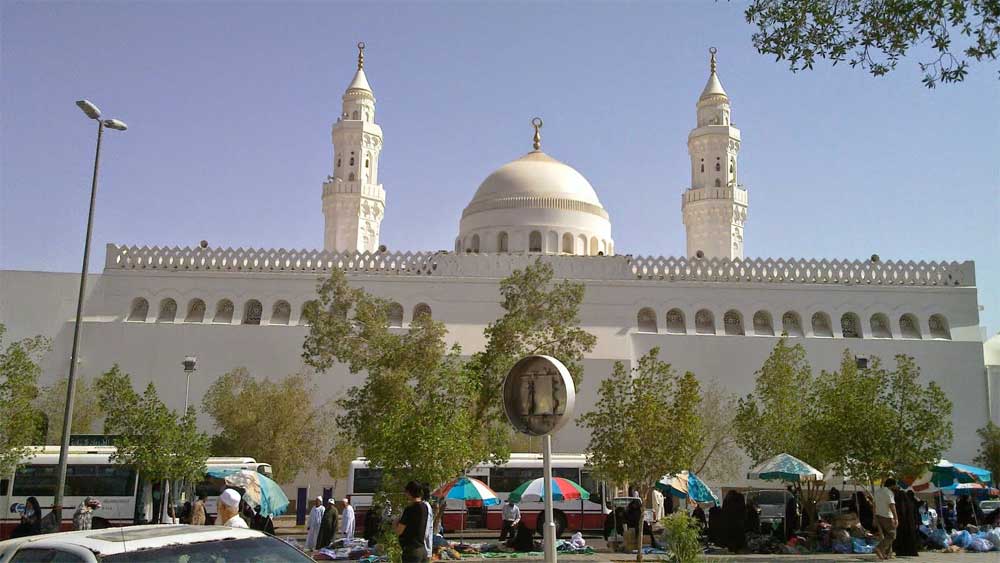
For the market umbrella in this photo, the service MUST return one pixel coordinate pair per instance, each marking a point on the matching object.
(686, 485)
(945, 474)
(472, 491)
(259, 490)
(562, 489)
(785, 467)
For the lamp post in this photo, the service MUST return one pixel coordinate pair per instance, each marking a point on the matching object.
(189, 364)
(93, 113)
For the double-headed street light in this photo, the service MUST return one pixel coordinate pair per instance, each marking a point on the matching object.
(93, 113)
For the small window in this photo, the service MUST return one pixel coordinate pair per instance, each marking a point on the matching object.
(475, 243)
(762, 324)
(646, 320)
(281, 312)
(939, 327)
(733, 322)
(821, 325)
(366, 163)
(338, 162)
(675, 322)
(718, 182)
(909, 327)
(791, 324)
(535, 242)
(351, 177)
(168, 311)
(395, 314)
(502, 242)
(880, 326)
(354, 115)
(850, 327)
(195, 311)
(252, 312)
(704, 322)
(567, 243)
(139, 310)
(352, 161)
(224, 312)
(718, 165)
(420, 310)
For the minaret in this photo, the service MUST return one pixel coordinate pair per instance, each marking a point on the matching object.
(353, 198)
(715, 206)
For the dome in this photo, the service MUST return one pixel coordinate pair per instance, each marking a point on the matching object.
(536, 173)
(535, 204)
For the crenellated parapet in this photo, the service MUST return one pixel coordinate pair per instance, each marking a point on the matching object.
(627, 267)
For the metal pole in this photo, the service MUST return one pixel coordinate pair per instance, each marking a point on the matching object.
(187, 387)
(549, 536)
(71, 380)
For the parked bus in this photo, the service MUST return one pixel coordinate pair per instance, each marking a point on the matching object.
(363, 481)
(126, 498)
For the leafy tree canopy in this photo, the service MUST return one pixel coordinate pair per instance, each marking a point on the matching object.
(989, 449)
(876, 34)
(272, 421)
(19, 421)
(86, 408)
(720, 458)
(158, 442)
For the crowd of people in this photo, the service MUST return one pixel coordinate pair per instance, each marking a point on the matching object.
(325, 523)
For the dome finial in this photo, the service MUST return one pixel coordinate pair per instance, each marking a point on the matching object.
(713, 51)
(361, 55)
(537, 124)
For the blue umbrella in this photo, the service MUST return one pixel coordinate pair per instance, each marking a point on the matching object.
(686, 485)
(259, 489)
(784, 467)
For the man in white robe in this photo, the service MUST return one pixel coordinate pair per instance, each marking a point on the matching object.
(347, 520)
(313, 523)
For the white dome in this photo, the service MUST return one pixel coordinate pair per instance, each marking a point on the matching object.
(535, 194)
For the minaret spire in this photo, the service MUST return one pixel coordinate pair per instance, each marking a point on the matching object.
(711, 50)
(537, 124)
(361, 57)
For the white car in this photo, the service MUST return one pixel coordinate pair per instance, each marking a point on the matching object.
(153, 543)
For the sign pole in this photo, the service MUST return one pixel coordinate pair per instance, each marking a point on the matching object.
(549, 533)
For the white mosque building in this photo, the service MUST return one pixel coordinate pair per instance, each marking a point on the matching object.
(713, 311)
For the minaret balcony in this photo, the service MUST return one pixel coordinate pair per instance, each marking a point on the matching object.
(336, 186)
(737, 194)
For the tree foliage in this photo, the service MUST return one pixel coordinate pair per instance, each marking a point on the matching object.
(876, 34)
(779, 416)
(272, 421)
(423, 411)
(989, 449)
(19, 421)
(719, 459)
(86, 408)
(158, 442)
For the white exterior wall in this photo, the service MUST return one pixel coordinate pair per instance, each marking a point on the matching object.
(463, 292)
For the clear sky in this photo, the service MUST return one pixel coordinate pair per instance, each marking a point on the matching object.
(229, 106)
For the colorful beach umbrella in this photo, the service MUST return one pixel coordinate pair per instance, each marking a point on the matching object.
(785, 467)
(473, 491)
(686, 485)
(562, 489)
(945, 474)
(259, 490)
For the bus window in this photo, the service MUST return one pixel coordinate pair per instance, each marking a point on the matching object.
(100, 481)
(506, 479)
(591, 485)
(4, 485)
(367, 480)
(35, 481)
(571, 473)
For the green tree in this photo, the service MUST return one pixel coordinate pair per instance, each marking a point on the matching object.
(86, 408)
(19, 421)
(875, 34)
(158, 442)
(719, 459)
(645, 424)
(272, 421)
(989, 449)
(779, 416)
(919, 429)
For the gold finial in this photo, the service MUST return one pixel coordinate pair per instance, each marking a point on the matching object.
(537, 124)
(713, 51)
(361, 55)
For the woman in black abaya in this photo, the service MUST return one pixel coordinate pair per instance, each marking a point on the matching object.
(906, 532)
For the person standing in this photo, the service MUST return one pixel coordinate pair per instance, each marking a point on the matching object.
(84, 516)
(328, 526)
(31, 520)
(313, 523)
(412, 526)
(229, 509)
(199, 514)
(966, 514)
(511, 515)
(347, 519)
(886, 517)
(373, 524)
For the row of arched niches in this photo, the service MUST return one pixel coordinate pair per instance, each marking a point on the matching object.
(224, 312)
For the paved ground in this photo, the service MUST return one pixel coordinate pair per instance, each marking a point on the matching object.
(286, 528)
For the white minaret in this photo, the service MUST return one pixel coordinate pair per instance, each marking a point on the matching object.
(353, 198)
(715, 206)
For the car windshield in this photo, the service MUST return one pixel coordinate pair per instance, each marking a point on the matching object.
(254, 550)
(770, 497)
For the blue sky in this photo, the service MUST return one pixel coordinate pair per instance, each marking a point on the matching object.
(230, 106)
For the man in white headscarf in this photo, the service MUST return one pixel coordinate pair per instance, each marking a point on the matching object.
(347, 519)
(313, 523)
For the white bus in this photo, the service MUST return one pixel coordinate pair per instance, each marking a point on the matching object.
(364, 481)
(126, 498)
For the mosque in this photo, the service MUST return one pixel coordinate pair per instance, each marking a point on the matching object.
(712, 311)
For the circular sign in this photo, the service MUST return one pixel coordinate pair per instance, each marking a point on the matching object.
(538, 395)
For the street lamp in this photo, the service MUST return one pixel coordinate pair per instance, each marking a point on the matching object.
(189, 364)
(93, 113)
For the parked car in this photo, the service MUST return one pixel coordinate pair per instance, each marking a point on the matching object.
(152, 543)
(988, 506)
(771, 504)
